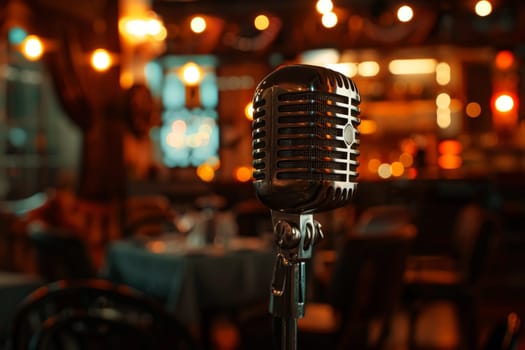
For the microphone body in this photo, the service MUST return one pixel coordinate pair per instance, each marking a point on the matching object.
(305, 139)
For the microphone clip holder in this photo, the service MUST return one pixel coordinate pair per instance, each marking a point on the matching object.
(295, 235)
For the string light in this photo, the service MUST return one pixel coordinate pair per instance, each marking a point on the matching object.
(198, 24)
(405, 13)
(261, 22)
(100, 60)
(140, 29)
(191, 73)
(504, 103)
(473, 109)
(32, 48)
(443, 75)
(483, 8)
(368, 68)
(205, 172)
(329, 20)
(324, 6)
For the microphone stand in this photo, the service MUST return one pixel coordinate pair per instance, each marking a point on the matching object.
(295, 235)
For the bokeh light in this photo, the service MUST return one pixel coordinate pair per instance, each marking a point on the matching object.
(473, 109)
(405, 13)
(329, 20)
(504, 103)
(101, 60)
(261, 22)
(483, 8)
(32, 48)
(198, 24)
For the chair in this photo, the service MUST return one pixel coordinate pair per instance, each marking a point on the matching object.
(455, 277)
(365, 289)
(94, 314)
(61, 255)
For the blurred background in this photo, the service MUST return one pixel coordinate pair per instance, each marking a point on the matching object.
(124, 118)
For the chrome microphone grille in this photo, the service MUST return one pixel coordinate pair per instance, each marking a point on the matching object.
(305, 134)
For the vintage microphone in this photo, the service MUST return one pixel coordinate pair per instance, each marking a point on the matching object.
(305, 148)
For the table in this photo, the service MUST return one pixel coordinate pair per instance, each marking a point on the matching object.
(192, 279)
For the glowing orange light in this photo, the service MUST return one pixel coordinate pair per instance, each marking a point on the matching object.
(248, 111)
(397, 168)
(473, 109)
(449, 161)
(504, 59)
(373, 165)
(483, 8)
(261, 22)
(191, 74)
(329, 20)
(405, 13)
(412, 173)
(205, 172)
(452, 147)
(406, 159)
(324, 6)
(243, 174)
(367, 126)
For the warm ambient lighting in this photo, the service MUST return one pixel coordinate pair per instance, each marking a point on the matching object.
(450, 147)
(367, 126)
(324, 6)
(373, 165)
(443, 100)
(368, 68)
(243, 173)
(32, 48)
(473, 109)
(198, 24)
(413, 66)
(443, 118)
(443, 73)
(329, 20)
(261, 22)
(100, 60)
(142, 29)
(449, 161)
(191, 74)
(397, 169)
(483, 8)
(504, 103)
(347, 68)
(205, 172)
(405, 13)
(248, 111)
(504, 59)
(450, 154)
(384, 171)
(406, 159)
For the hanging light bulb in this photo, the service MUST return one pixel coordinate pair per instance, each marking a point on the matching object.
(32, 48)
(101, 60)
(405, 13)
